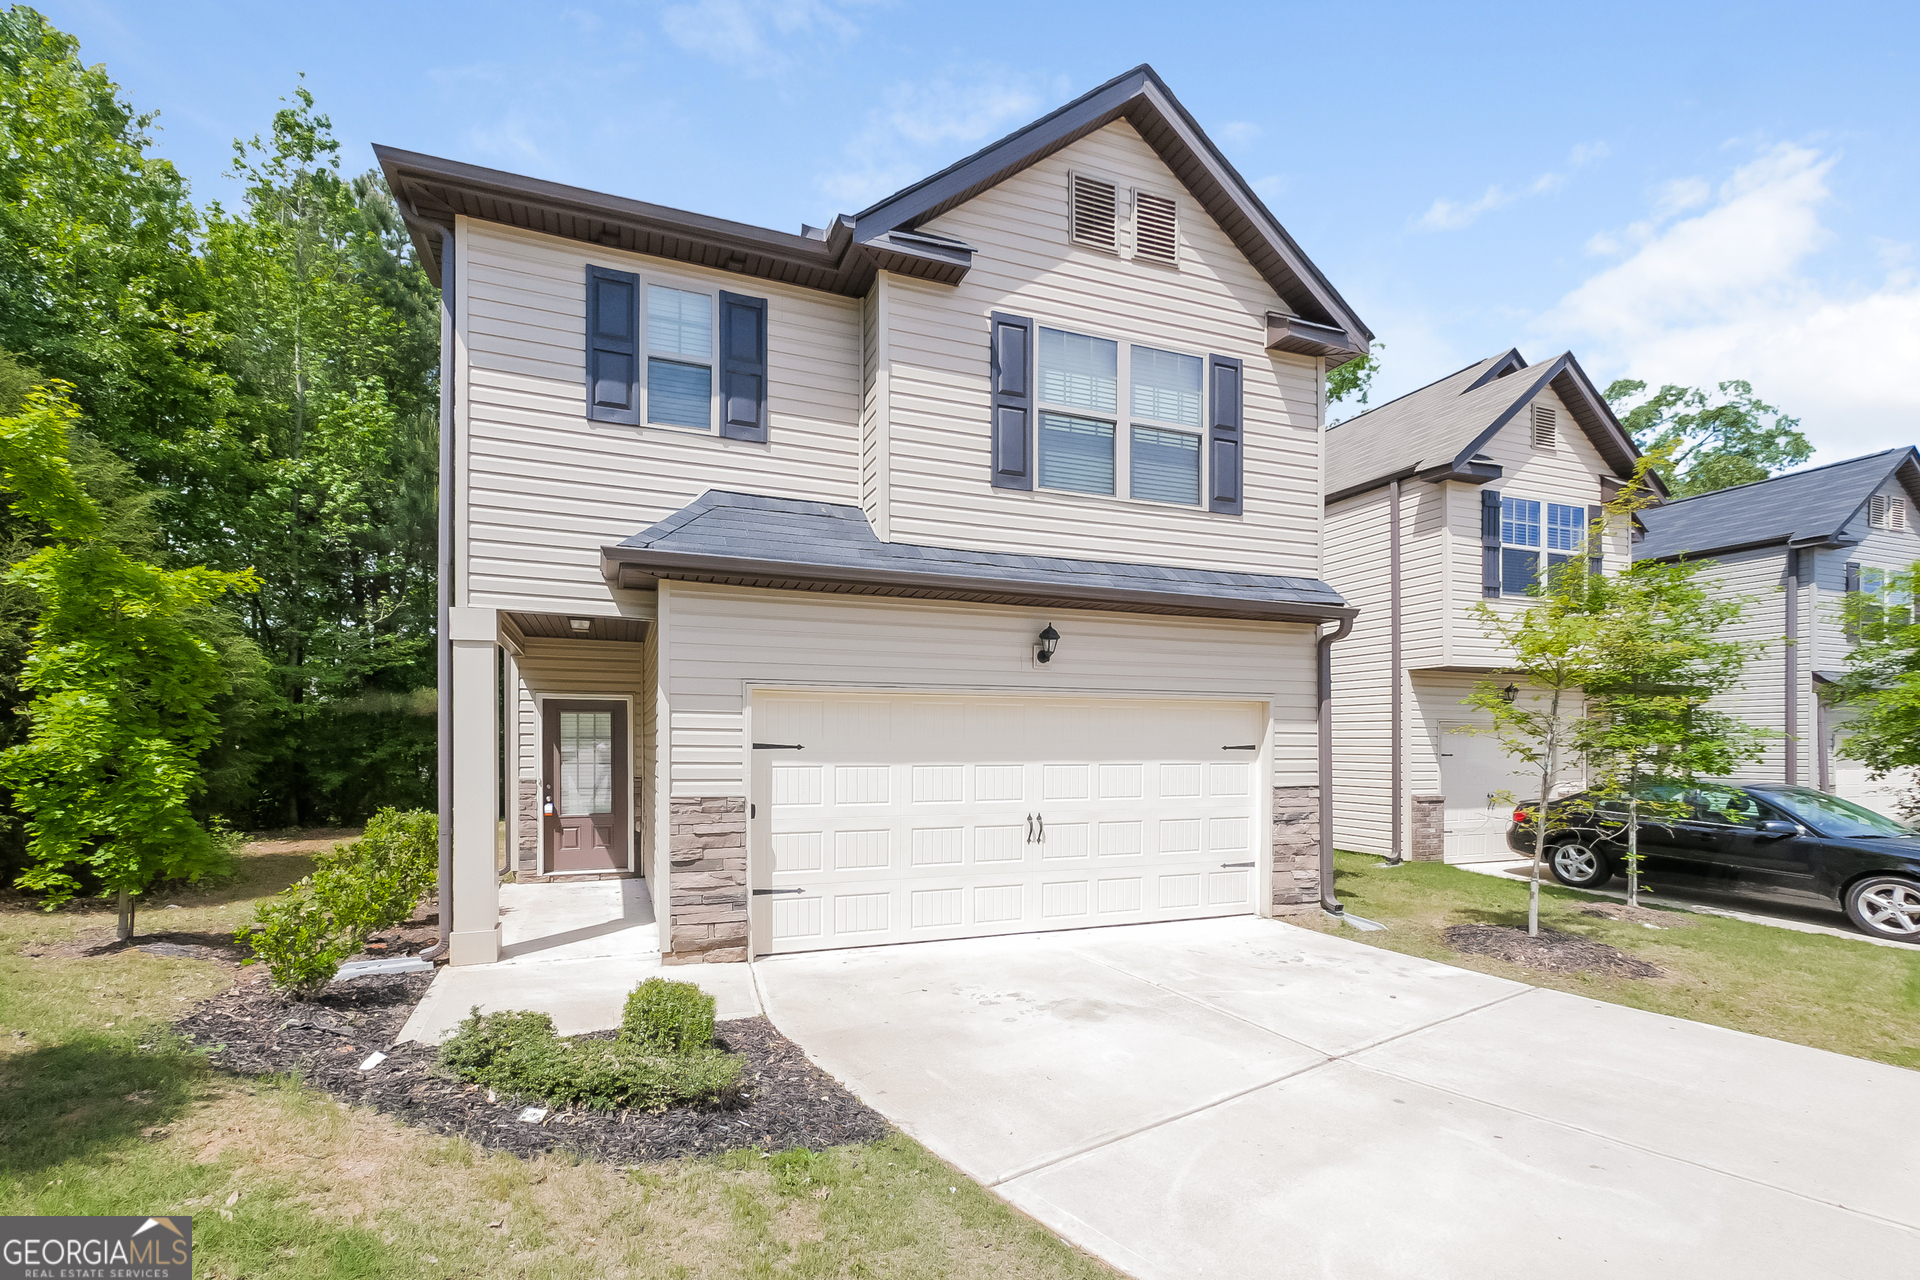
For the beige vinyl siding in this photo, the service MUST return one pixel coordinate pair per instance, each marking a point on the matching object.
(1758, 577)
(646, 714)
(1427, 592)
(546, 488)
(1214, 303)
(874, 409)
(722, 641)
(1438, 697)
(580, 669)
(1568, 474)
(1357, 567)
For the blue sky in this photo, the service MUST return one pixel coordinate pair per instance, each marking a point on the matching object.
(1677, 193)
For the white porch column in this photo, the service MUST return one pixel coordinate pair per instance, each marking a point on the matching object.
(476, 878)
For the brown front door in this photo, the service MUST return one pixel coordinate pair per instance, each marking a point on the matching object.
(585, 785)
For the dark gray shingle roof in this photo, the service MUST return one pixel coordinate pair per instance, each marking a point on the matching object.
(1440, 426)
(755, 540)
(1811, 504)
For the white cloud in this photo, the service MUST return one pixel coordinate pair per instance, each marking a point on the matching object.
(757, 37)
(1732, 292)
(1452, 215)
(924, 125)
(1238, 132)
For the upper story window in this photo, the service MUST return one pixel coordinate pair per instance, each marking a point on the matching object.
(1087, 444)
(1084, 413)
(1885, 512)
(1526, 528)
(679, 358)
(669, 356)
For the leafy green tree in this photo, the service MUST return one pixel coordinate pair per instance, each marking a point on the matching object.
(1354, 379)
(123, 690)
(1709, 443)
(1660, 656)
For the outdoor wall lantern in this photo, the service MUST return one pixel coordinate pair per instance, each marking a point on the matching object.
(1049, 641)
(1508, 694)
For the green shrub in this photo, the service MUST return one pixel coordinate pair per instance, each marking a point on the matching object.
(668, 1017)
(519, 1055)
(358, 889)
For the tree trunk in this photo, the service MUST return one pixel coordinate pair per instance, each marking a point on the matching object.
(1633, 847)
(124, 924)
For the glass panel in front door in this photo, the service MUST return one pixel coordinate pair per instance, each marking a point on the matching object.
(586, 763)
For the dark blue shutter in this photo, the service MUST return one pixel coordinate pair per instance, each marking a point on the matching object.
(1011, 353)
(743, 367)
(1596, 530)
(1853, 587)
(1226, 435)
(613, 346)
(1489, 542)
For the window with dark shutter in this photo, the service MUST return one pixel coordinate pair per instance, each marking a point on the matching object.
(1490, 543)
(1596, 531)
(1094, 213)
(1156, 232)
(1010, 352)
(1853, 586)
(743, 367)
(613, 346)
(1226, 443)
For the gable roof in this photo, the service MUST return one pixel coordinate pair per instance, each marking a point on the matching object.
(1804, 508)
(1436, 432)
(749, 539)
(843, 257)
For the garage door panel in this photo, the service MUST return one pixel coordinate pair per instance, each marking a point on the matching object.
(910, 817)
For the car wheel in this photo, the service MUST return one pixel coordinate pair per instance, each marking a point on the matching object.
(1886, 907)
(1578, 865)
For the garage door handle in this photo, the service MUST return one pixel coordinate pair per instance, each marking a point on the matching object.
(1236, 864)
(777, 746)
(1251, 746)
(763, 892)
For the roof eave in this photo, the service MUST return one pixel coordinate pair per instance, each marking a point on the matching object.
(639, 567)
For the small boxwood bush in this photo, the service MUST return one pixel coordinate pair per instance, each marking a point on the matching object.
(519, 1055)
(667, 1017)
(358, 889)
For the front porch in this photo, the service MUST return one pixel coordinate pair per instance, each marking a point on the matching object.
(572, 950)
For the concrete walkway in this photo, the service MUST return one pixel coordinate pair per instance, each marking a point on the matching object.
(573, 951)
(1244, 1098)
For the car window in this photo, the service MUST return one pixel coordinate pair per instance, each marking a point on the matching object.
(1727, 805)
(1832, 816)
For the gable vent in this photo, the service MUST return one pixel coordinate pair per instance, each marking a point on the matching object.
(1095, 214)
(1546, 427)
(1886, 513)
(1155, 229)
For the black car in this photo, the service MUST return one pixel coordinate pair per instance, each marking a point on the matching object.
(1789, 844)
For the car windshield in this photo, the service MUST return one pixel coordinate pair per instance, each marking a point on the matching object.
(1833, 816)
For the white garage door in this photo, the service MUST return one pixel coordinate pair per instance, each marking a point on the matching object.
(902, 818)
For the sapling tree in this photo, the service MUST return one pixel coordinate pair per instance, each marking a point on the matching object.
(123, 688)
(1882, 680)
(1661, 653)
(1543, 725)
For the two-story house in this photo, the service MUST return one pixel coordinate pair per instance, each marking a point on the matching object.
(1793, 548)
(1454, 495)
(953, 569)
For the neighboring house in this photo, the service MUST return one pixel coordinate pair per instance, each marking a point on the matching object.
(952, 570)
(1455, 494)
(1794, 546)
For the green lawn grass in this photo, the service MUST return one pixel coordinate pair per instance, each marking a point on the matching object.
(1831, 993)
(103, 1111)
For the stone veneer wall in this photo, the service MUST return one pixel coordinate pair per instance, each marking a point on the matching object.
(1429, 829)
(1296, 847)
(707, 881)
(527, 806)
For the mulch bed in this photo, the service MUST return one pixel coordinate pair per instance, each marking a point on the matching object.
(252, 1030)
(1552, 951)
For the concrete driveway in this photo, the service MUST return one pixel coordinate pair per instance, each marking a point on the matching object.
(1246, 1098)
